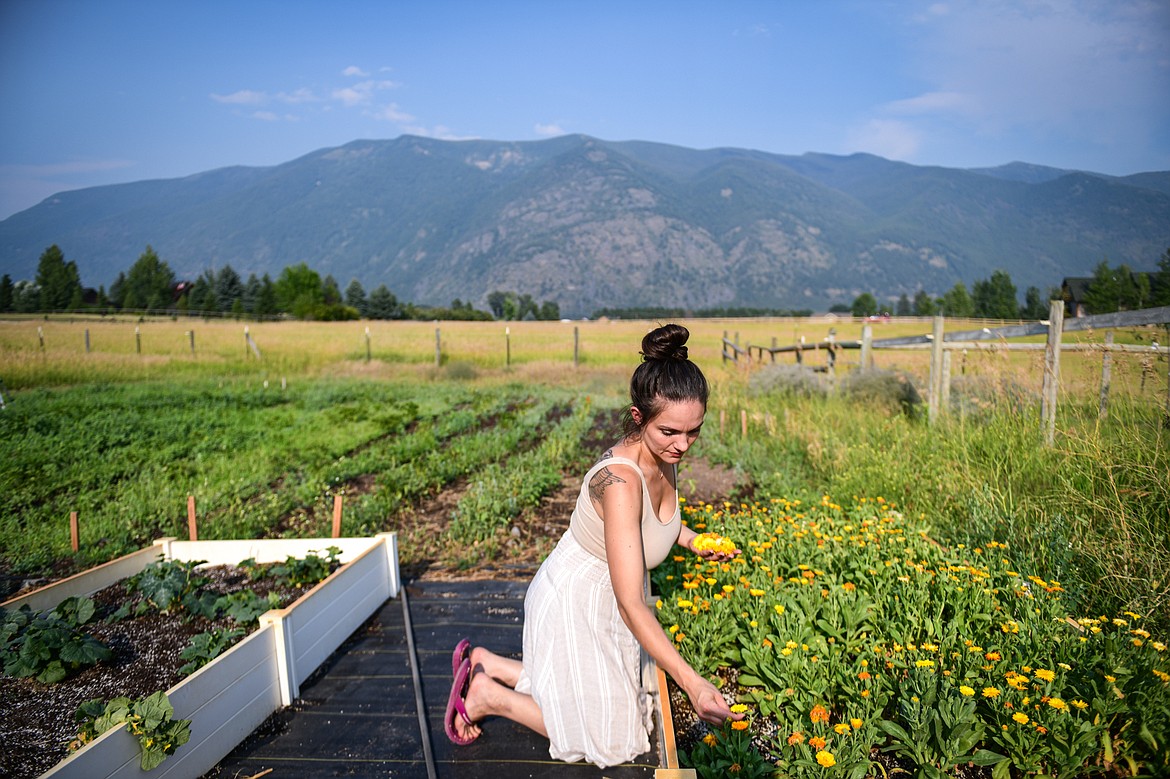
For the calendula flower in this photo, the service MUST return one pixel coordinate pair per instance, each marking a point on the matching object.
(739, 708)
(816, 742)
(841, 728)
(826, 759)
(1058, 704)
(967, 691)
(685, 604)
(1079, 704)
(855, 723)
(756, 593)
(796, 738)
(710, 739)
(1020, 717)
(819, 714)
(740, 725)
(1045, 674)
(990, 692)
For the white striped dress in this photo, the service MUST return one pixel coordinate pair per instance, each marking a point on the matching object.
(581, 664)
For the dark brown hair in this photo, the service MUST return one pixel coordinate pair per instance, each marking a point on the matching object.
(665, 375)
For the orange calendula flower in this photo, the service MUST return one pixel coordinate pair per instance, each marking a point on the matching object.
(856, 723)
(740, 725)
(816, 742)
(796, 738)
(819, 714)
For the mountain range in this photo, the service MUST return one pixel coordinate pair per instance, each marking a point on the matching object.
(590, 223)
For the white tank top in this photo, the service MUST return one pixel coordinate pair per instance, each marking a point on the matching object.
(588, 528)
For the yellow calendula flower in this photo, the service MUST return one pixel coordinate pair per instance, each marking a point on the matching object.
(1020, 717)
(779, 609)
(1045, 674)
(924, 663)
(990, 692)
(826, 759)
(1079, 704)
(756, 593)
(713, 542)
(855, 723)
(729, 588)
(710, 739)
(965, 690)
(1058, 704)
(739, 708)
(685, 604)
(841, 728)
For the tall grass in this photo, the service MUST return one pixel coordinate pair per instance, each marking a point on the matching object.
(1092, 511)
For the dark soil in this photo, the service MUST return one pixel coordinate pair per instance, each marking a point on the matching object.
(36, 720)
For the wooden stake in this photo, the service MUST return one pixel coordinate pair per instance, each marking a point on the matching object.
(192, 529)
(722, 421)
(1051, 384)
(337, 516)
(74, 532)
(1106, 365)
(743, 422)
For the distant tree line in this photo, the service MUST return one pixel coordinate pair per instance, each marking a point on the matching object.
(659, 312)
(1109, 290)
(299, 291)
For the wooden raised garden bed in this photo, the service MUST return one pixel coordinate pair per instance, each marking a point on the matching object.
(233, 694)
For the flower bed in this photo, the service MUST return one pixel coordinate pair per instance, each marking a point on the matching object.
(853, 639)
(230, 696)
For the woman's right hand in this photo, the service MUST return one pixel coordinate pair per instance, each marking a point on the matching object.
(709, 704)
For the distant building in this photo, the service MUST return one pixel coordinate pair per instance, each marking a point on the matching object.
(1073, 291)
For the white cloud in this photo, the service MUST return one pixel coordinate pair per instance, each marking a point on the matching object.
(933, 103)
(242, 97)
(297, 96)
(392, 113)
(362, 93)
(887, 138)
(354, 70)
(549, 130)
(439, 132)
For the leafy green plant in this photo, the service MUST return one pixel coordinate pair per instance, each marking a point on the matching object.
(49, 646)
(246, 606)
(172, 584)
(150, 720)
(725, 752)
(205, 647)
(307, 570)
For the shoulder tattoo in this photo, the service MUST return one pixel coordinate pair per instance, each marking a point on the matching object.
(602, 479)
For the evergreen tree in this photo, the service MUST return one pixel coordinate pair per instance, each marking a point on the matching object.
(149, 283)
(902, 307)
(550, 311)
(228, 288)
(1035, 307)
(266, 301)
(251, 294)
(864, 305)
(1103, 293)
(57, 280)
(995, 298)
(1160, 282)
(924, 304)
(957, 302)
(330, 293)
(496, 299)
(355, 296)
(1129, 296)
(118, 291)
(382, 304)
(6, 293)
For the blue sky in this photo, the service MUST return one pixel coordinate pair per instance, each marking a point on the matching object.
(99, 92)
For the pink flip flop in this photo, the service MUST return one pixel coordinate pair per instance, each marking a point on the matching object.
(456, 707)
(461, 653)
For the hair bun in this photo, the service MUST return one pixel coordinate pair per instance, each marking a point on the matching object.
(668, 342)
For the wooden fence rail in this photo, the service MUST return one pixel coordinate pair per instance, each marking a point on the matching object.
(941, 344)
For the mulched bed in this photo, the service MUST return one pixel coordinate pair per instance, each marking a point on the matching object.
(36, 720)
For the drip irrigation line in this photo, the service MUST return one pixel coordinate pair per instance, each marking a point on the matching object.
(419, 704)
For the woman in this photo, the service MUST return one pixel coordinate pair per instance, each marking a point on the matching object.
(581, 682)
